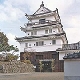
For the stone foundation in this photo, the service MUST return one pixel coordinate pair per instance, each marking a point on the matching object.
(15, 67)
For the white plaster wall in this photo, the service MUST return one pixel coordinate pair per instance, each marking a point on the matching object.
(46, 47)
(72, 67)
(22, 45)
(61, 55)
(52, 18)
(42, 32)
(28, 33)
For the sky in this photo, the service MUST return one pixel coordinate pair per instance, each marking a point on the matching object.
(12, 16)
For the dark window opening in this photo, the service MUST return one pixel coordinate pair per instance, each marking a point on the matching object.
(46, 31)
(26, 44)
(40, 43)
(50, 30)
(42, 21)
(36, 43)
(54, 56)
(53, 41)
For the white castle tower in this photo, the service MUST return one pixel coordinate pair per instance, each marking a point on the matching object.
(44, 31)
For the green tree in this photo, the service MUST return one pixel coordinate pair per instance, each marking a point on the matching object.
(5, 47)
(3, 42)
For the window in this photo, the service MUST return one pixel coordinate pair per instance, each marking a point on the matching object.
(50, 30)
(46, 31)
(26, 44)
(42, 21)
(54, 56)
(39, 56)
(31, 33)
(53, 41)
(36, 43)
(34, 33)
(40, 43)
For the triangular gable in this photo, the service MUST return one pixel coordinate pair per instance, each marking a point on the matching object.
(42, 10)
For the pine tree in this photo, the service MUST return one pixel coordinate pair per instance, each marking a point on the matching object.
(5, 47)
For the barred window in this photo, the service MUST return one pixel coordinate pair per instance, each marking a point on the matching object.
(31, 33)
(36, 43)
(42, 21)
(46, 31)
(34, 33)
(53, 41)
(26, 44)
(40, 43)
(50, 30)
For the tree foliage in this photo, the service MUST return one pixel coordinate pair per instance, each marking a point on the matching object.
(10, 57)
(3, 42)
(5, 48)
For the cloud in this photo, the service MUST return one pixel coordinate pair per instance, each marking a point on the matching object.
(9, 12)
(74, 21)
(73, 34)
(12, 40)
(11, 37)
(14, 10)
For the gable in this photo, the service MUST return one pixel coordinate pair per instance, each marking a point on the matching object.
(42, 10)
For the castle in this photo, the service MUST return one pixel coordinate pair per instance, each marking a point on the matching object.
(44, 35)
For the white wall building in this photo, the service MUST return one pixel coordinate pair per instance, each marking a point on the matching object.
(44, 31)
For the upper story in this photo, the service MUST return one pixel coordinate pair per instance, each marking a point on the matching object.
(43, 22)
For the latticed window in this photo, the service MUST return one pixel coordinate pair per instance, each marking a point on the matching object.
(53, 41)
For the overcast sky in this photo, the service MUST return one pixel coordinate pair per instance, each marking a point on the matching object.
(12, 16)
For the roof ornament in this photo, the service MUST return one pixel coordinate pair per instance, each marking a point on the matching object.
(42, 5)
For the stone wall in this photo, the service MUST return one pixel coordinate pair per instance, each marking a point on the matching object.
(15, 67)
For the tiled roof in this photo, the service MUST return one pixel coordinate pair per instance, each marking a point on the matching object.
(31, 37)
(72, 56)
